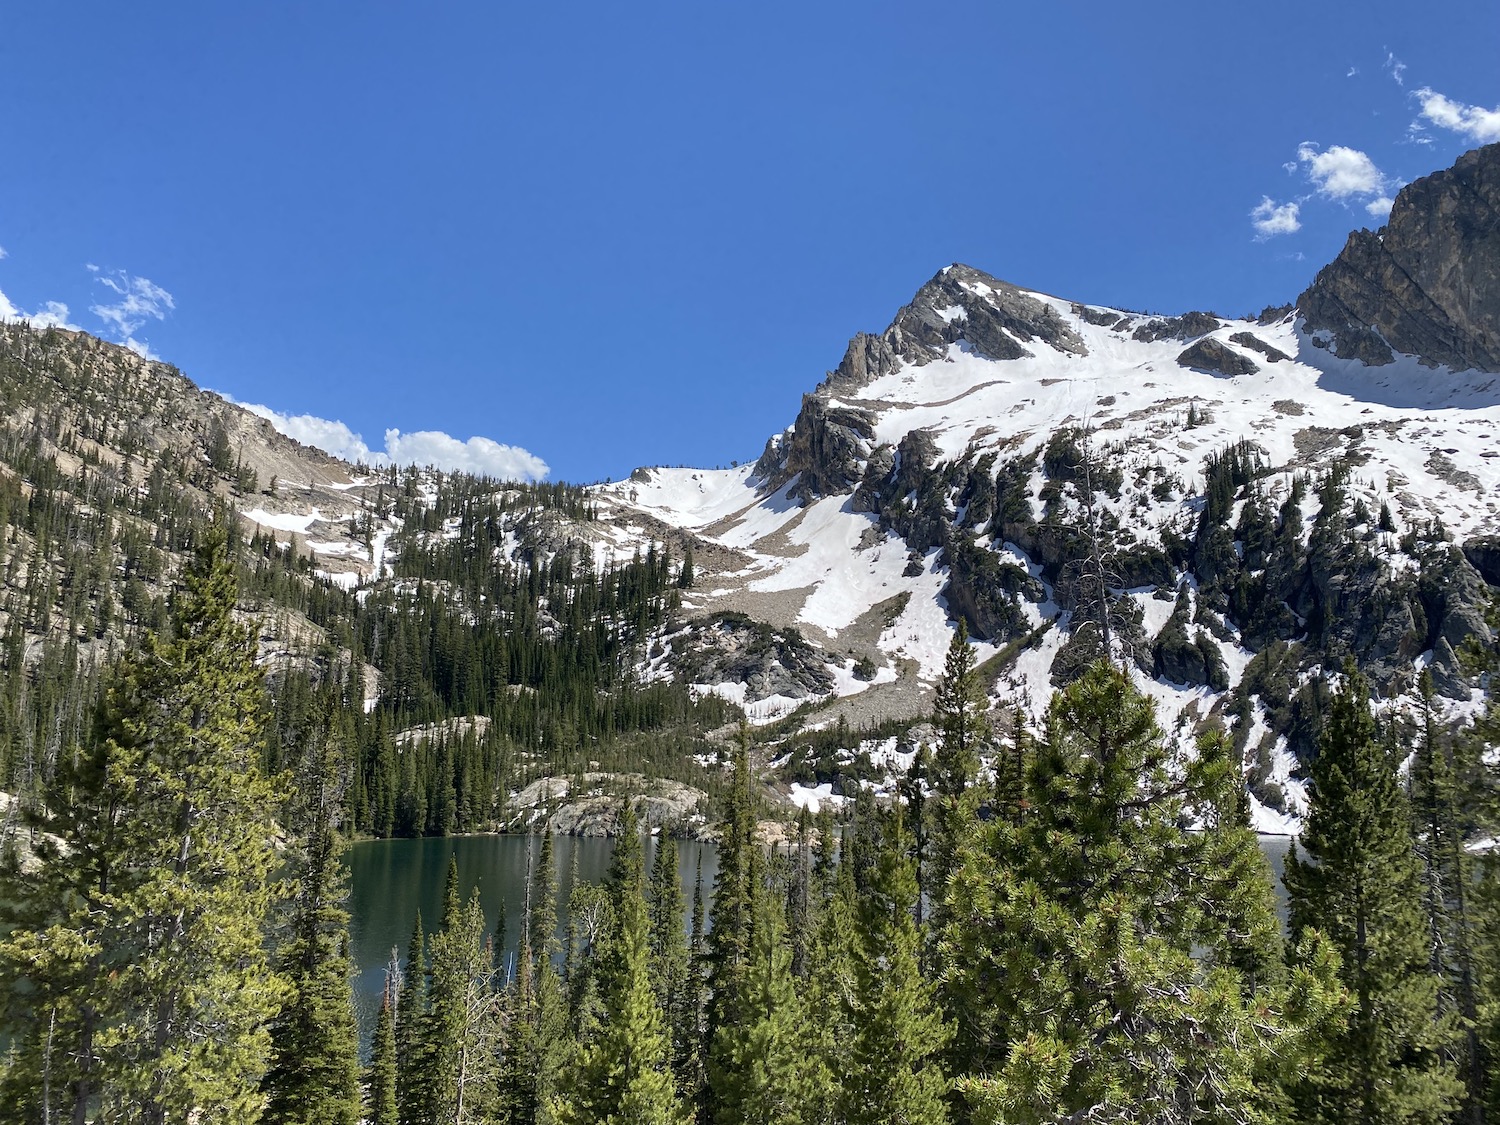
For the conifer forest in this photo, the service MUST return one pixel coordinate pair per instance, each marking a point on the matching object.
(1061, 924)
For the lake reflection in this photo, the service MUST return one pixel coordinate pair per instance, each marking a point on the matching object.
(390, 880)
(1275, 849)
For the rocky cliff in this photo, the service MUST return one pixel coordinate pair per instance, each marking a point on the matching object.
(1427, 283)
(961, 306)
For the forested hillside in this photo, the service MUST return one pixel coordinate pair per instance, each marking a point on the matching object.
(111, 469)
(1067, 924)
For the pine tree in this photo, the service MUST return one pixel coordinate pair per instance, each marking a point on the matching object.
(591, 924)
(1011, 762)
(139, 943)
(1487, 958)
(961, 715)
(760, 1069)
(623, 1074)
(670, 967)
(380, 1080)
(832, 989)
(413, 1069)
(551, 1046)
(314, 1074)
(1361, 887)
(801, 921)
(826, 858)
(893, 1069)
(692, 1078)
(1240, 927)
(514, 1105)
(728, 938)
(1475, 773)
(1084, 957)
(913, 791)
(1442, 812)
(443, 1020)
(542, 908)
(537, 1045)
(461, 1030)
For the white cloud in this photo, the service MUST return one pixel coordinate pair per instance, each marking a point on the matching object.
(140, 347)
(141, 299)
(1353, 70)
(1379, 208)
(1270, 218)
(478, 455)
(1473, 122)
(1396, 67)
(1340, 172)
(331, 437)
(52, 314)
(3, 253)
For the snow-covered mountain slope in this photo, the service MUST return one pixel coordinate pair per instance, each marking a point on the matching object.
(852, 524)
(1422, 439)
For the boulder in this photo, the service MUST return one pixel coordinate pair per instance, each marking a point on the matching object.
(1218, 358)
(1255, 343)
(1188, 326)
(1483, 553)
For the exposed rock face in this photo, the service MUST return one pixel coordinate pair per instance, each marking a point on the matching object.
(1483, 553)
(768, 661)
(668, 807)
(1454, 601)
(909, 497)
(1255, 343)
(1104, 318)
(829, 442)
(1211, 355)
(1428, 282)
(828, 446)
(960, 304)
(1182, 658)
(1188, 326)
(984, 591)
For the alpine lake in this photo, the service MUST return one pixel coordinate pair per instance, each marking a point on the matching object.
(391, 880)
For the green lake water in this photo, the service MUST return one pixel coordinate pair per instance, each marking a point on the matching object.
(391, 879)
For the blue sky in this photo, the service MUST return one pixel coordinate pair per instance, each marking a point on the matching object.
(604, 235)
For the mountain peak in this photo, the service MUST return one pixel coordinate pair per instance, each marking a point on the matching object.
(959, 305)
(1428, 282)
